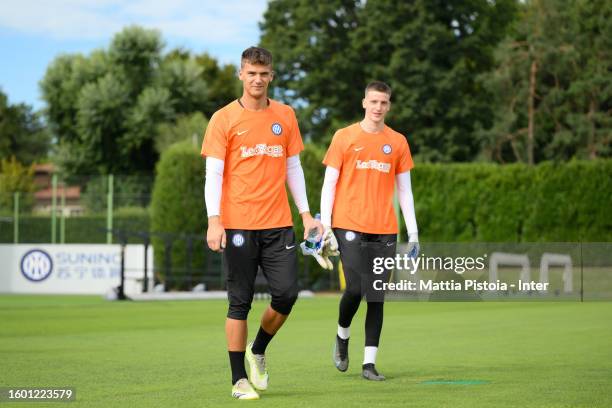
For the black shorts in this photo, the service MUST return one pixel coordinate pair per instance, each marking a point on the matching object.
(359, 252)
(275, 251)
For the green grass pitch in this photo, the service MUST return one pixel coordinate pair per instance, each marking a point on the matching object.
(172, 354)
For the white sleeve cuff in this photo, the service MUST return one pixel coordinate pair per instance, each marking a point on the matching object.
(296, 183)
(328, 194)
(213, 185)
(406, 201)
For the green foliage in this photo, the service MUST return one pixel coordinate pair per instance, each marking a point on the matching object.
(183, 78)
(153, 106)
(126, 212)
(454, 202)
(493, 203)
(566, 44)
(571, 202)
(100, 122)
(94, 195)
(429, 53)
(132, 191)
(61, 88)
(514, 203)
(504, 203)
(222, 80)
(550, 202)
(444, 201)
(177, 207)
(105, 108)
(187, 128)
(135, 53)
(312, 48)
(461, 73)
(15, 177)
(88, 229)
(22, 133)
(128, 191)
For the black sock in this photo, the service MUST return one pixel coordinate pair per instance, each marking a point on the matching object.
(237, 365)
(261, 341)
(373, 323)
(349, 303)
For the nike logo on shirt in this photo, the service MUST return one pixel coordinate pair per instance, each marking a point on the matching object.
(241, 132)
(357, 149)
(289, 247)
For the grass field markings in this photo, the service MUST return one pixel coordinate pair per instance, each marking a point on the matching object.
(455, 382)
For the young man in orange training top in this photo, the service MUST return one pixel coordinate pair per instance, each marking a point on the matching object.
(252, 148)
(365, 162)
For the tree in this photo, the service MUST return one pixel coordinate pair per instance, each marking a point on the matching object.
(552, 84)
(590, 92)
(16, 178)
(176, 208)
(430, 52)
(222, 80)
(187, 128)
(105, 108)
(129, 192)
(61, 86)
(22, 133)
(316, 69)
(188, 89)
(135, 53)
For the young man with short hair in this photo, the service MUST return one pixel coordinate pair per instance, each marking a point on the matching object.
(252, 148)
(365, 162)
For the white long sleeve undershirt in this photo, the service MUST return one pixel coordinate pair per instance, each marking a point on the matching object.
(406, 202)
(213, 185)
(405, 198)
(328, 194)
(296, 183)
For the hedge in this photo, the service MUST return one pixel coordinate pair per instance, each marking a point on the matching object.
(550, 202)
(474, 202)
(482, 202)
(79, 230)
(177, 209)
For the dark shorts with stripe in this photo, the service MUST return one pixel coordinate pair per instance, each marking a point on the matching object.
(359, 252)
(275, 252)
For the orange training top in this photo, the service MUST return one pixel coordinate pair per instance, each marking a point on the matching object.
(368, 163)
(254, 146)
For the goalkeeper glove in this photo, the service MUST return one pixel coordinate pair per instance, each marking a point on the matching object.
(316, 253)
(330, 243)
(328, 246)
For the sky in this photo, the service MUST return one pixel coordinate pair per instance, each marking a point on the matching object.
(34, 32)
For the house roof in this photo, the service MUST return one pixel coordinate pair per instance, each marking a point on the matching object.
(44, 168)
(47, 193)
